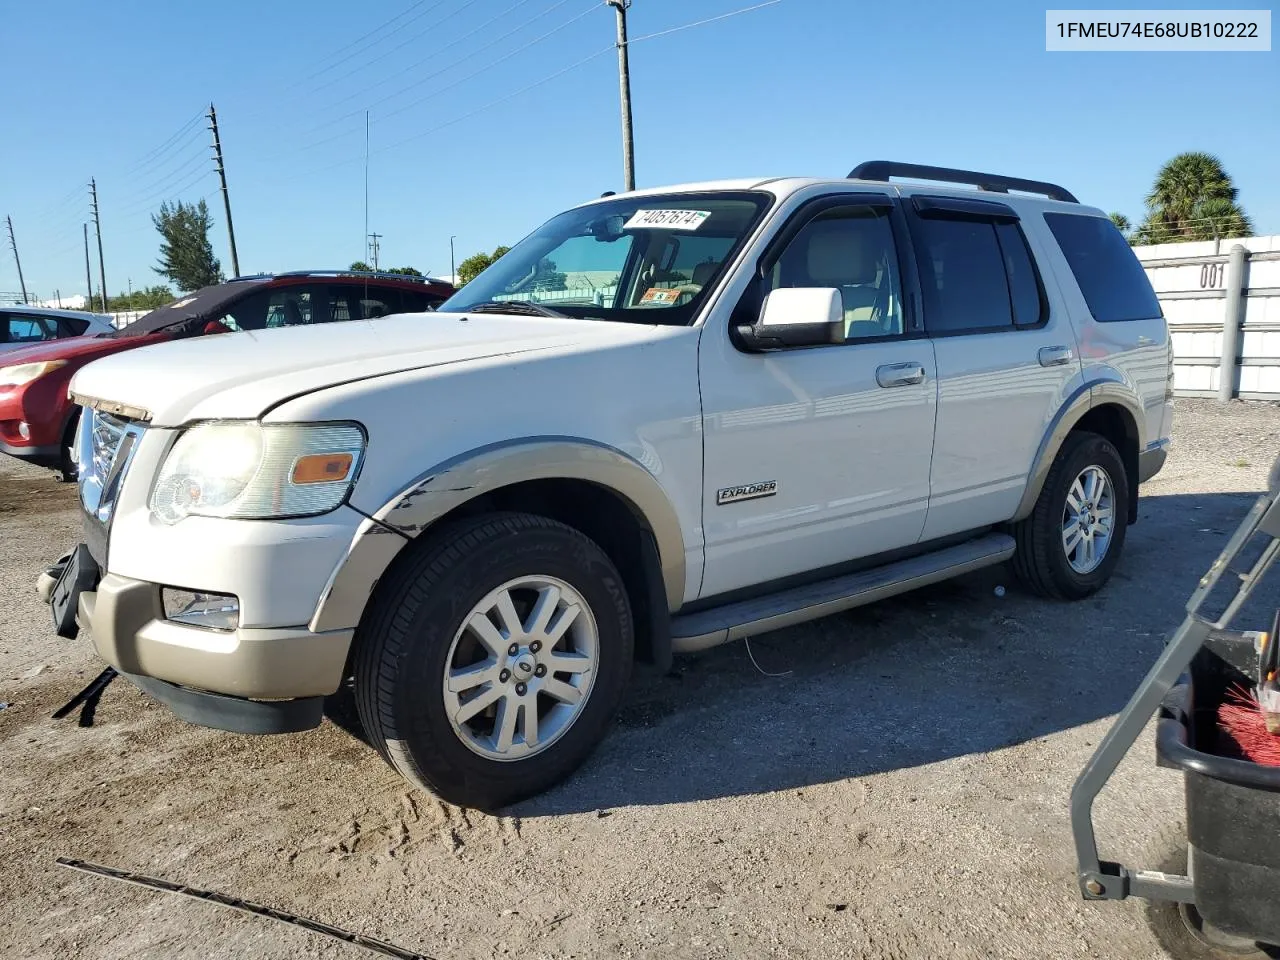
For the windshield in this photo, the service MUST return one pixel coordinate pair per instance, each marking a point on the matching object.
(639, 259)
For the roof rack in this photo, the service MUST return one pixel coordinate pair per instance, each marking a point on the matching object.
(378, 274)
(882, 170)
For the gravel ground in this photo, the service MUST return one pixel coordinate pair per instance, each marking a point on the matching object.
(899, 791)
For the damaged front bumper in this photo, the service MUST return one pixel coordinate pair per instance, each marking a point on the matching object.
(247, 680)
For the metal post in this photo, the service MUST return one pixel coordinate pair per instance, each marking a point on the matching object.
(97, 224)
(453, 267)
(1231, 319)
(624, 88)
(226, 197)
(14, 245)
(88, 274)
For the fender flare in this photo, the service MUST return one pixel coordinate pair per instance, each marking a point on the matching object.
(1086, 397)
(454, 482)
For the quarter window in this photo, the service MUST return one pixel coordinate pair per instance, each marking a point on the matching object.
(1114, 285)
(849, 248)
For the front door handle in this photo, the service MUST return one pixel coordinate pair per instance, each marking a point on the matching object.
(899, 374)
(1055, 356)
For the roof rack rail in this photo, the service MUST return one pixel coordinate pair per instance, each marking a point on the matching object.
(380, 274)
(882, 170)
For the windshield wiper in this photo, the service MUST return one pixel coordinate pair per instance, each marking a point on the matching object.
(516, 306)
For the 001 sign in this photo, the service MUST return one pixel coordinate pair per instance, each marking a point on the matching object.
(1212, 275)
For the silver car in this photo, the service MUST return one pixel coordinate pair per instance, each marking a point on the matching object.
(22, 326)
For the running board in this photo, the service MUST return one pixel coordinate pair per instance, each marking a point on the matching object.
(746, 618)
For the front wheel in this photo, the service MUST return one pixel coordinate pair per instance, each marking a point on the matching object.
(1071, 542)
(492, 661)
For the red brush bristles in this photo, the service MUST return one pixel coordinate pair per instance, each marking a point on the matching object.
(1241, 719)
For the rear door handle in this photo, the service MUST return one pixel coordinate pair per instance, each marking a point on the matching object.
(899, 374)
(1054, 356)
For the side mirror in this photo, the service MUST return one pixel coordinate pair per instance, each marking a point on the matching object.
(797, 317)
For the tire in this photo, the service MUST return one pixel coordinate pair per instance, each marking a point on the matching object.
(1179, 927)
(416, 633)
(1041, 561)
(68, 472)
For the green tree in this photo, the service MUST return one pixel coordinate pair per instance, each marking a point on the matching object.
(186, 256)
(406, 271)
(475, 264)
(1193, 198)
(1122, 222)
(360, 267)
(148, 299)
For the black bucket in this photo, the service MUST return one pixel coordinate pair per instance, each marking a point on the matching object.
(1233, 806)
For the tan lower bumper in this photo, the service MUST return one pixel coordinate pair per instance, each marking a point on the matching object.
(126, 621)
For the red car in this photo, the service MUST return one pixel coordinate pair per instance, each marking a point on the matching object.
(38, 421)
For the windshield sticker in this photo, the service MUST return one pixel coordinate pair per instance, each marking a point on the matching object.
(667, 219)
(661, 297)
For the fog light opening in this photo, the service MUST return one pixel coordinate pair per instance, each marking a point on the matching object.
(214, 611)
(24, 430)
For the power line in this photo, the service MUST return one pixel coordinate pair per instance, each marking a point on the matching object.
(404, 43)
(200, 156)
(698, 23)
(452, 43)
(445, 69)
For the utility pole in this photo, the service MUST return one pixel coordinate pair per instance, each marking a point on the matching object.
(97, 225)
(373, 248)
(624, 86)
(13, 244)
(88, 275)
(453, 267)
(226, 197)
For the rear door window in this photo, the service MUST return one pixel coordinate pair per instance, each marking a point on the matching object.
(1106, 269)
(962, 272)
(24, 328)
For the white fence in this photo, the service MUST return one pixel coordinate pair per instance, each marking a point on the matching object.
(1217, 303)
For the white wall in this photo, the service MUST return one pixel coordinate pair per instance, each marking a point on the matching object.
(1191, 281)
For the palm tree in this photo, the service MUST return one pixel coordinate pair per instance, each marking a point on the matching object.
(1221, 219)
(1122, 222)
(1191, 198)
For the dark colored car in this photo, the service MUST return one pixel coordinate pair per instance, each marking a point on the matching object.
(38, 421)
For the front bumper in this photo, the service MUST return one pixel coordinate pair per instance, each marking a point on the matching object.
(126, 622)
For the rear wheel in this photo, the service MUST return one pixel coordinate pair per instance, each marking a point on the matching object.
(1071, 542)
(492, 662)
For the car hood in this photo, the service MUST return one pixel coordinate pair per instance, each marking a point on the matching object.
(74, 348)
(245, 374)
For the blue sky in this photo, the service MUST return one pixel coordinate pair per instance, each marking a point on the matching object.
(807, 87)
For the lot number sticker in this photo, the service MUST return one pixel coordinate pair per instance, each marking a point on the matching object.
(667, 219)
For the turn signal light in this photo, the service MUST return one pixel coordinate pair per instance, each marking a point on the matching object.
(322, 468)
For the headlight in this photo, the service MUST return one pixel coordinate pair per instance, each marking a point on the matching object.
(21, 373)
(247, 470)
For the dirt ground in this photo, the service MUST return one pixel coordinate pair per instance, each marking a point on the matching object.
(899, 791)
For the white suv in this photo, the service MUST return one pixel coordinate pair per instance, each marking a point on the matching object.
(665, 420)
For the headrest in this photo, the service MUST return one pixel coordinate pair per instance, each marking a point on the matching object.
(840, 252)
(703, 272)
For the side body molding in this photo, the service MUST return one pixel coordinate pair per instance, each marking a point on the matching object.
(1084, 398)
(452, 483)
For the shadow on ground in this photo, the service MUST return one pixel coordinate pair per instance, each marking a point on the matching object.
(947, 671)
